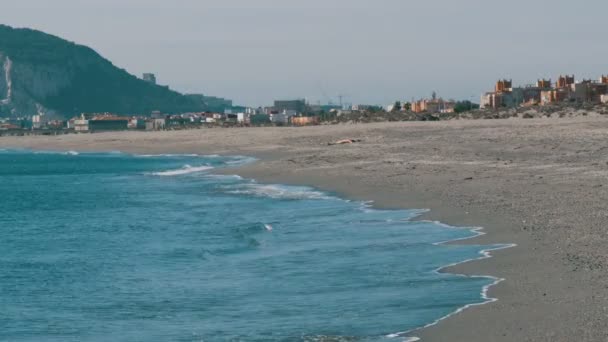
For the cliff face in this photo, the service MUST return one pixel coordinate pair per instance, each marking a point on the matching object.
(23, 87)
(40, 73)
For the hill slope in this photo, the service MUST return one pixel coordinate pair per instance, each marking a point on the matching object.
(43, 73)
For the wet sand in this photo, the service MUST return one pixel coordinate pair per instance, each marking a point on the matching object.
(538, 183)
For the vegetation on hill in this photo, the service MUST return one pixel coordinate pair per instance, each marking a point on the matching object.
(69, 78)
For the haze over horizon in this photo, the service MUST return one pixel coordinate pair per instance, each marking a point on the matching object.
(319, 49)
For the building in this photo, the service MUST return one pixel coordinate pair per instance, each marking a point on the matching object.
(580, 91)
(81, 124)
(362, 107)
(108, 122)
(253, 111)
(297, 106)
(433, 106)
(555, 95)
(564, 81)
(137, 123)
(150, 78)
(487, 100)
(544, 92)
(503, 86)
(38, 121)
(543, 84)
(604, 98)
(259, 119)
(279, 118)
(596, 91)
(503, 95)
(243, 118)
(305, 120)
(529, 95)
(8, 127)
(157, 124)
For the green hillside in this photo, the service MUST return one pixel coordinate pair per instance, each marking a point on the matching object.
(69, 78)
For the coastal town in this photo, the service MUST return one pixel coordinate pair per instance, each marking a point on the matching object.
(299, 112)
(321, 171)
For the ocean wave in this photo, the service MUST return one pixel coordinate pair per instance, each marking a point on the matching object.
(278, 191)
(240, 160)
(224, 177)
(166, 155)
(187, 169)
(65, 153)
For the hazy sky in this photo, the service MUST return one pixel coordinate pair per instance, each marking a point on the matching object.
(373, 51)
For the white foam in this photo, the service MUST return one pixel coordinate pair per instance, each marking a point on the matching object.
(225, 177)
(278, 191)
(241, 160)
(187, 169)
(65, 153)
(165, 155)
(411, 339)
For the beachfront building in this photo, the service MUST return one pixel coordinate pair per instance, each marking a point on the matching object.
(108, 122)
(564, 81)
(243, 118)
(259, 119)
(305, 120)
(500, 95)
(279, 118)
(39, 121)
(565, 89)
(8, 127)
(156, 124)
(81, 124)
(434, 105)
(505, 95)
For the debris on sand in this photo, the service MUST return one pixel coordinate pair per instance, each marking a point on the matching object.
(344, 141)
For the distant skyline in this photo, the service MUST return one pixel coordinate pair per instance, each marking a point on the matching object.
(372, 52)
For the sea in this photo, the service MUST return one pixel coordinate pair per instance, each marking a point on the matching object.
(121, 247)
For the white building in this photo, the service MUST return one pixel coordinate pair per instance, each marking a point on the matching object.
(38, 121)
(243, 118)
(81, 125)
(280, 118)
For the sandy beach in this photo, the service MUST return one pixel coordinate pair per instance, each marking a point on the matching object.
(537, 183)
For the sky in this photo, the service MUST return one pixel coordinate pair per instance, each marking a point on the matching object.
(368, 51)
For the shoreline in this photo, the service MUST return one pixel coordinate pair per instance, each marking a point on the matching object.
(408, 335)
(425, 215)
(484, 254)
(535, 183)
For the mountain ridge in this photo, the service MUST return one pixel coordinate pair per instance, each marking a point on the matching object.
(43, 73)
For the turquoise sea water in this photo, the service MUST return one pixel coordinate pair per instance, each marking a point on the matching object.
(115, 247)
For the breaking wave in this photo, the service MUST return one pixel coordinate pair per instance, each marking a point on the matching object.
(278, 191)
(165, 155)
(187, 169)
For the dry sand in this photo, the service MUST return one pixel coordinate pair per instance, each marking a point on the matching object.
(539, 183)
